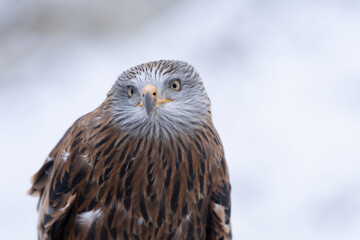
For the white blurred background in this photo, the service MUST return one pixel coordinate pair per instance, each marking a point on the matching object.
(283, 77)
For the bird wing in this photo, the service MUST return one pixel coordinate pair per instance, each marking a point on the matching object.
(60, 180)
(218, 223)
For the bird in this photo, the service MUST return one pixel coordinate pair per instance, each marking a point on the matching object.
(147, 163)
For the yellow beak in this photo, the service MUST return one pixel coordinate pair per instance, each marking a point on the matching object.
(150, 98)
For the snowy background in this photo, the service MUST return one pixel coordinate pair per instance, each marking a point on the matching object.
(283, 77)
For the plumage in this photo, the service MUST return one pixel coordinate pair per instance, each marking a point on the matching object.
(146, 164)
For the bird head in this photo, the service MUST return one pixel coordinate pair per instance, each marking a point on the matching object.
(160, 98)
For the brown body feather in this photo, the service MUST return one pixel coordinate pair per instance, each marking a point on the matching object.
(133, 188)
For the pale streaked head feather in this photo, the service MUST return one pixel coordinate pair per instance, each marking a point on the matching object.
(189, 109)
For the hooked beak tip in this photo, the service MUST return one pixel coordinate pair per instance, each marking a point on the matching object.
(149, 102)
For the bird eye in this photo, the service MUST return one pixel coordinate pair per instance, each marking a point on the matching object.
(130, 92)
(175, 85)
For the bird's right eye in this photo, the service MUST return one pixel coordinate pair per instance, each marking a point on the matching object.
(130, 92)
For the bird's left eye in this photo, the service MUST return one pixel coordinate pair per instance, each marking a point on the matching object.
(130, 92)
(175, 85)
